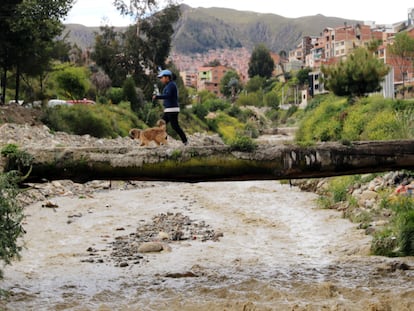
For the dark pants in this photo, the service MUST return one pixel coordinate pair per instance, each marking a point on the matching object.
(172, 117)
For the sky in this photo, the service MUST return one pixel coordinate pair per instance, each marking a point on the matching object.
(102, 12)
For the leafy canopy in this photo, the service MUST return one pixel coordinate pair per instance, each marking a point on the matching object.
(261, 63)
(361, 73)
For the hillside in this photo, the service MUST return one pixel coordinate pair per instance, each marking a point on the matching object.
(202, 29)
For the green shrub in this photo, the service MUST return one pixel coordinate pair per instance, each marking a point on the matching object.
(323, 123)
(250, 99)
(243, 143)
(405, 120)
(228, 128)
(354, 123)
(406, 232)
(398, 238)
(272, 100)
(235, 112)
(200, 111)
(216, 104)
(71, 82)
(133, 94)
(11, 217)
(115, 95)
(17, 160)
(384, 243)
(382, 126)
(96, 120)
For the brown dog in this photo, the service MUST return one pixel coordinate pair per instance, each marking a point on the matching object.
(156, 134)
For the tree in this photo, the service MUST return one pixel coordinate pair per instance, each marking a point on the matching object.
(109, 56)
(101, 81)
(303, 76)
(402, 52)
(255, 84)
(230, 84)
(132, 94)
(361, 73)
(261, 63)
(140, 51)
(28, 28)
(73, 81)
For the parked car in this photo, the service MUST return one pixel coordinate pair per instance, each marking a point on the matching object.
(81, 101)
(57, 102)
(70, 102)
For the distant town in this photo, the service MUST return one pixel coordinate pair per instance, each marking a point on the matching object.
(331, 46)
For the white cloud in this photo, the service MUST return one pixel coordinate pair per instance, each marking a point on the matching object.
(96, 13)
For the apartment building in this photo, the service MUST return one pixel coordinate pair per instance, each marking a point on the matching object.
(335, 44)
(208, 78)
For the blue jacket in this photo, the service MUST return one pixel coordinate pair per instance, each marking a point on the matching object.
(170, 97)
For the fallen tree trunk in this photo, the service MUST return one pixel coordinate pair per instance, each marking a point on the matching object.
(219, 162)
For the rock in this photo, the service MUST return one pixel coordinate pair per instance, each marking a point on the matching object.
(150, 247)
(163, 236)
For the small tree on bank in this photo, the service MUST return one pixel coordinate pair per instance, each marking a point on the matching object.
(361, 73)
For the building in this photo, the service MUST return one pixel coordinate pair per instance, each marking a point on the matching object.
(208, 78)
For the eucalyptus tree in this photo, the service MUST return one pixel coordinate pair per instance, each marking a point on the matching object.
(109, 55)
(28, 29)
(152, 34)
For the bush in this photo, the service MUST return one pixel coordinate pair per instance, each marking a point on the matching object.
(323, 123)
(102, 121)
(200, 111)
(243, 143)
(406, 233)
(250, 99)
(384, 243)
(227, 127)
(17, 160)
(133, 94)
(272, 100)
(11, 217)
(354, 123)
(382, 126)
(216, 104)
(115, 95)
(339, 186)
(398, 238)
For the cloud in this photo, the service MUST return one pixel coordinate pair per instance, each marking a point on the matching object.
(94, 13)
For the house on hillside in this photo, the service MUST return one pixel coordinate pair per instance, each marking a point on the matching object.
(208, 78)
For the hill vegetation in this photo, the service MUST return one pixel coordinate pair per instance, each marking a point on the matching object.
(202, 29)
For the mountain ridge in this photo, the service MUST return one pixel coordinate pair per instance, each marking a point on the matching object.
(200, 30)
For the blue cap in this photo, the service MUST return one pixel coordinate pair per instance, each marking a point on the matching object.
(165, 72)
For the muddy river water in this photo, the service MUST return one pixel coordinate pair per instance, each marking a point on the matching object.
(275, 251)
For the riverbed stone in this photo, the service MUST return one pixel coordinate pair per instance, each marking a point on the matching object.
(150, 247)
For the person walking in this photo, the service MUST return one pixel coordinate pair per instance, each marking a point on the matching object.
(171, 106)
